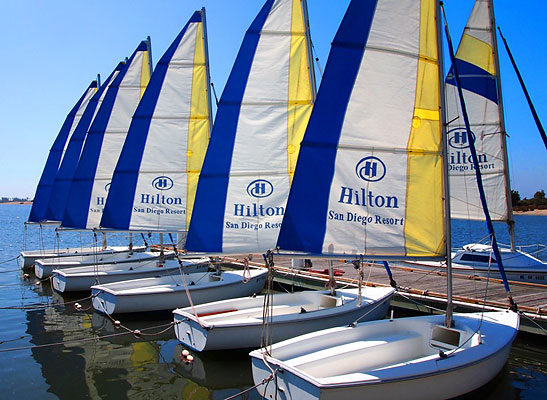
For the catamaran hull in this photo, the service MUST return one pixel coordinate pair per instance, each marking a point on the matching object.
(478, 260)
(44, 268)
(420, 376)
(244, 327)
(81, 279)
(147, 295)
(27, 259)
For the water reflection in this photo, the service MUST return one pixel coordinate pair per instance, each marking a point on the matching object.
(146, 367)
(121, 365)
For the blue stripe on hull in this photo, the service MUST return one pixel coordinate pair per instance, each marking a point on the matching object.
(304, 222)
(475, 79)
(207, 223)
(119, 205)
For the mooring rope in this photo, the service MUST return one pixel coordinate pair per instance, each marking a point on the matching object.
(263, 382)
(137, 332)
(7, 261)
(47, 305)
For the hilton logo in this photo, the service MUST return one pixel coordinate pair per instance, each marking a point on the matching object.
(458, 138)
(259, 188)
(371, 169)
(162, 183)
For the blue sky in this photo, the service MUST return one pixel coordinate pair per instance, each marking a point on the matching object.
(54, 49)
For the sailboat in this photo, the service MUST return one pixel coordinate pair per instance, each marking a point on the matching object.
(375, 148)
(176, 179)
(51, 195)
(43, 191)
(151, 187)
(242, 193)
(477, 58)
(56, 154)
(91, 177)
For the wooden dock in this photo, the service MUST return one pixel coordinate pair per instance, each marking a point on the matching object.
(425, 291)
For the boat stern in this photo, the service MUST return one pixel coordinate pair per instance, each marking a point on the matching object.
(266, 374)
(42, 270)
(58, 281)
(103, 301)
(189, 331)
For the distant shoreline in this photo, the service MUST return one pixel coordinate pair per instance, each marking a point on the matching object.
(532, 212)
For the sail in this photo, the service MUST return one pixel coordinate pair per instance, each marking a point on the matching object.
(61, 184)
(154, 183)
(369, 177)
(56, 153)
(104, 142)
(477, 66)
(261, 118)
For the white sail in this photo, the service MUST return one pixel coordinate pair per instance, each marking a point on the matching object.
(104, 142)
(255, 141)
(155, 179)
(369, 177)
(479, 76)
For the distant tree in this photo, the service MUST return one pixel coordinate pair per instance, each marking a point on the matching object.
(515, 198)
(539, 198)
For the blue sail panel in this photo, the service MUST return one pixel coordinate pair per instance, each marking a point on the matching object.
(43, 191)
(119, 204)
(475, 79)
(61, 185)
(206, 226)
(303, 227)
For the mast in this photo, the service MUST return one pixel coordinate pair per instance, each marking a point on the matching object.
(98, 81)
(523, 86)
(149, 48)
(309, 46)
(207, 71)
(478, 174)
(510, 221)
(446, 191)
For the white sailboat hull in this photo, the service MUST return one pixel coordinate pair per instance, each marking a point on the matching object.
(474, 259)
(168, 293)
(28, 258)
(389, 359)
(44, 268)
(82, 278)
(237, 323)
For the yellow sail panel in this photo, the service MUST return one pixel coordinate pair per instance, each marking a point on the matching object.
(425, 187)
(198, 124)
(300, 86)
(477, 52)
(145, 71)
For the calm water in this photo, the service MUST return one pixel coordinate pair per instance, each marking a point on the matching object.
(123, 366)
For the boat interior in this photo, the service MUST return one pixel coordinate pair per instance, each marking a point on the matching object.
(253, 308)
(364, 352)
